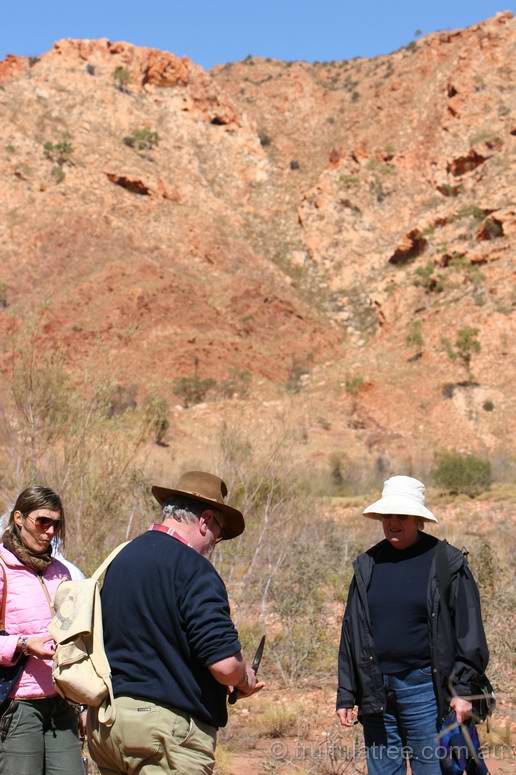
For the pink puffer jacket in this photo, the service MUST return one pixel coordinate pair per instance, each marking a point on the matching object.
(28, 613)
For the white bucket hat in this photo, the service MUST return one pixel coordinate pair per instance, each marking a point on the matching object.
(401, 495)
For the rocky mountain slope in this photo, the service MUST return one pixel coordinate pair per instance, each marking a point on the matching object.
(335, 237)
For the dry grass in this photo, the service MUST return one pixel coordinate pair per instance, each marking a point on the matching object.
(223, 761)
(278, 720)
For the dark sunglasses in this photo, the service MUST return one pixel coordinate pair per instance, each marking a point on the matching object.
(43, 523)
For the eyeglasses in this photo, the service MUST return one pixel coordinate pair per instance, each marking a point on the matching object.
(43, 523)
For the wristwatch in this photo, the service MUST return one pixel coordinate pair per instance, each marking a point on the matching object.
(22, 645)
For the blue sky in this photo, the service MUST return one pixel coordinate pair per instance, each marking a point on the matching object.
(217, 31)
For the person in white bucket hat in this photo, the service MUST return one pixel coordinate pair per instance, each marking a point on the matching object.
(403, 660)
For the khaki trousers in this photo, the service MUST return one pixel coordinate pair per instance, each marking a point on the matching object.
(150, 739)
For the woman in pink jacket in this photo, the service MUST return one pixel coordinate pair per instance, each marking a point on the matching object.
(38, 729)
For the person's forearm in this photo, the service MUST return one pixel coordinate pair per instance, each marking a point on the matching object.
(230, 671)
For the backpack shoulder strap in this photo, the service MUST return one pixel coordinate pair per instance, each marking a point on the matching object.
(109, 559)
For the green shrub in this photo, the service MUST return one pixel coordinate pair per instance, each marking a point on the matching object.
(447, 189)
(354, 385)
(470, 211)
(59, 153)
(424, 278)
(383, 169)
(348, 181)
(237, 384)
(466, 344)
(57, 173)
(121, 78)
(192, 390)
(414, 336)
(457, 473)
(142, 139)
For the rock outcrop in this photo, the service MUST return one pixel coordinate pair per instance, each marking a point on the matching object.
(307, 224)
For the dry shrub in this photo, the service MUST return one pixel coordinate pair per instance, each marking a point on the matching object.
(278, 721)
(492, 561)
(339, 752)
(286, 568)
(52, 435)
(223, 761)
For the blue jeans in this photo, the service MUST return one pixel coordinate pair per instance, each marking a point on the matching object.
(407, 729)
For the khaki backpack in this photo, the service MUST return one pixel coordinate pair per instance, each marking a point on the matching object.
(81, 670)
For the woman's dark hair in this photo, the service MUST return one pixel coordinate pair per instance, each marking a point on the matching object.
(38, 497)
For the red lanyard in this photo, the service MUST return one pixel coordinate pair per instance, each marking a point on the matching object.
(169, 531)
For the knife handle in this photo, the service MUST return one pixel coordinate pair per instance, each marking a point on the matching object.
(233, 697)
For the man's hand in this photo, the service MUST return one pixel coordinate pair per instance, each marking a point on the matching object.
(249, 685)
(462, 709)
(346, 716)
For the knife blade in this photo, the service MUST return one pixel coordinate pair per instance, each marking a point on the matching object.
(255, 664)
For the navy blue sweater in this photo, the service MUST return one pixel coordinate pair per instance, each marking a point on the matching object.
(397, 598)
(165, 614)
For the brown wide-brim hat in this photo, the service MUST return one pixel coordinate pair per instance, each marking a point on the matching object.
(208, 489)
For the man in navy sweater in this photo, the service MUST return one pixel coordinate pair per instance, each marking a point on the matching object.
(169, 638)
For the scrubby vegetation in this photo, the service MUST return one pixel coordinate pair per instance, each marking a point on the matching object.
(142, 139)
(52, 434)
(289, 576)
(457, 473)
(465, 346)
(121, 78)
(60, 153)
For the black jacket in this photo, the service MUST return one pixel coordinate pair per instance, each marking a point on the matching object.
(458, 647)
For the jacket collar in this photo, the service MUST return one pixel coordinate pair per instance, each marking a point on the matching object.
(364, 563)
(10, 559)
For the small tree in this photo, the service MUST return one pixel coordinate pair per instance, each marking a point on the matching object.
(121, 77)
(466, 344)
(193, 390)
